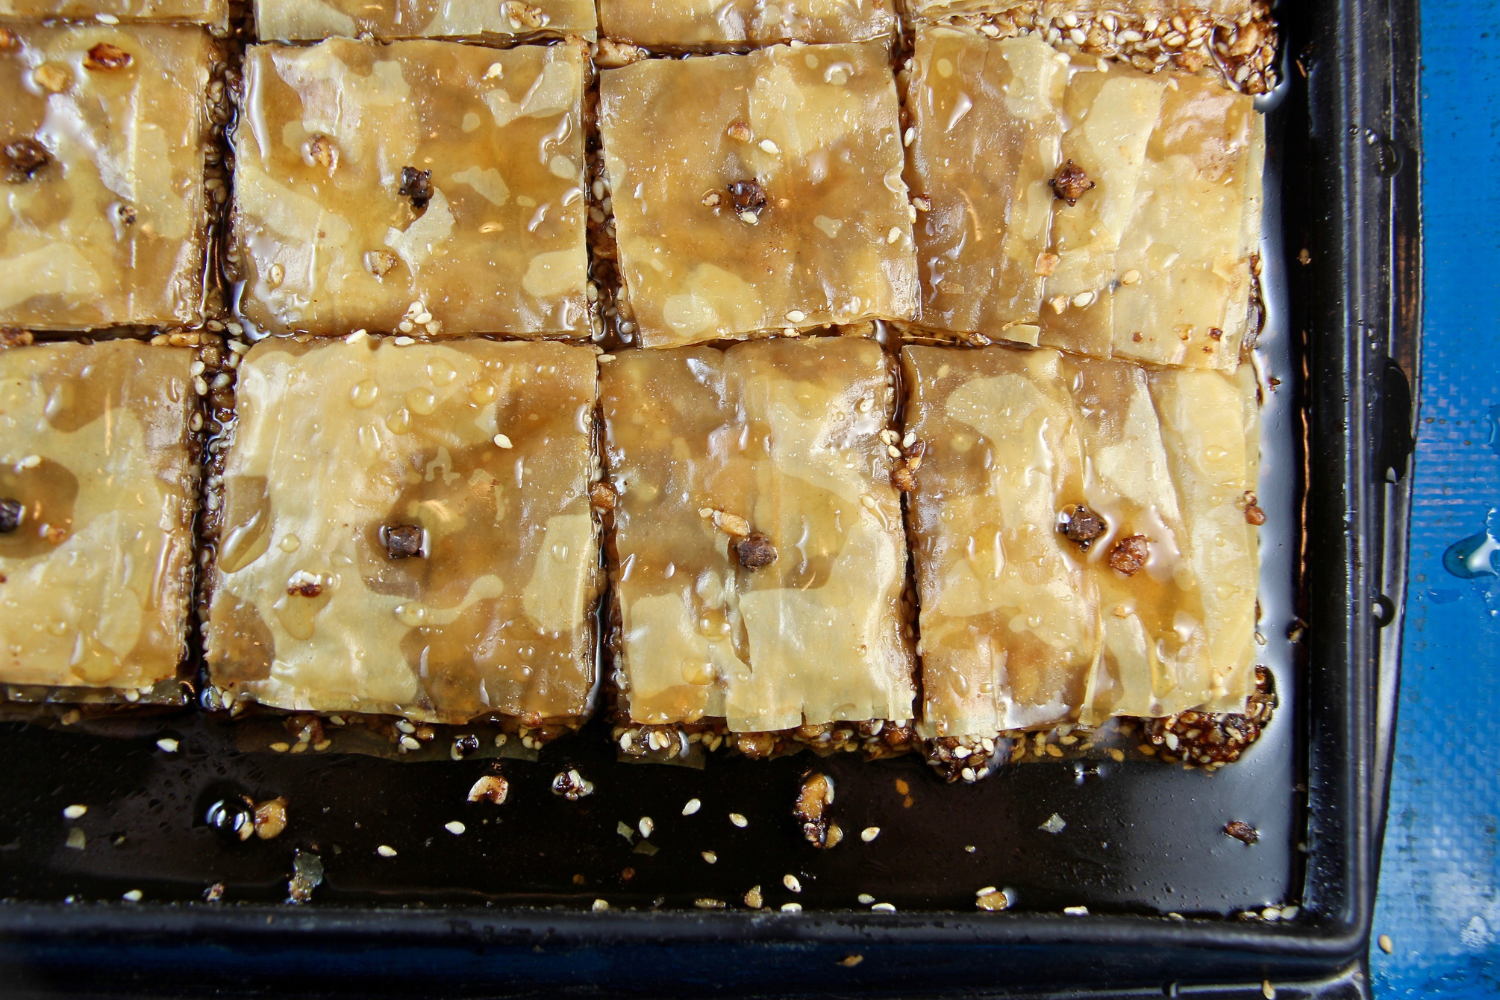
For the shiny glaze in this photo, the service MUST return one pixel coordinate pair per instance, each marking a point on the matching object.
(312, 20)
(709, 24)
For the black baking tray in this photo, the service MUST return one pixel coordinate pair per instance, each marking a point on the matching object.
(501, 911)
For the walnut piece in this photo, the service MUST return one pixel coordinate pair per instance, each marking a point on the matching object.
(23, 158)
(320, 149)
(105, 56)
(380, 262)
(402, 541)
(755, 550)
(270, 818)
(491, 788)
(416, 185)
(1129, 555)
(1082, 526)
(813, 800)
(1242, 831)
(602, 495)
(1070, 182)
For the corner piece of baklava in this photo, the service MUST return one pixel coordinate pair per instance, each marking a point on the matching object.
(491, 21)
(1082, 543)
(725, 25)
(416, 187)
(406, 530)
(102, 171)
(758, 192)
(98, 490)
(758, 553)
(213, 14)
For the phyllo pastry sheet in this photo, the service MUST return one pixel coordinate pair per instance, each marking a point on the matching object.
(406, 530)
(1117, 211)
(758, 553)
(495, 20)
(758, 192)
(98, 489)
(423, 183)
(1084, 538)
(213, 13)
(709, 25)
(103, 137)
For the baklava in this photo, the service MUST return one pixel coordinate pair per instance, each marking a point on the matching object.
(1082, 205)
(720, 25)
(758, 555)
(406, 531)
(419, 186)
(495, 21)
(758, 193)
(98, 491)
(104, 132)
(1084, 537)
(212, 13)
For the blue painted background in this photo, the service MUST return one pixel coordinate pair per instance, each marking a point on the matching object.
(1440, 878)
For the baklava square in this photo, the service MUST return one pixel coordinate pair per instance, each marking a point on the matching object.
(986, 123)
(103, 137)
(213, 13)
(416, 186)
(407, 530)
(758, 553)
(1084, 538)
(98, 489)
(717, 25)
(758, 192)
(497, 20)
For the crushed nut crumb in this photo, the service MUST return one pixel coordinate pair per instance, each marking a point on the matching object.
(105, 56)
(1129, 555)
(1070, 183)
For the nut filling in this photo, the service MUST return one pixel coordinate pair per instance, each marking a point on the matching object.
(755, 550)
(105, 56)
(1129, 555)
(11, 514)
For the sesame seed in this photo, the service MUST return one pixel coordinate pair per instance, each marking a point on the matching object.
(866, 898)
(795, 315)
(693, 805)
(909, 137)
(1130, 277)
(884, 908)
(1083, 299)
(770, 147)
(405, 341)
(791, 907)
(503, 441)
(1267, 990)
(455, 827)
(600, 905)
(410, 743)
(386, 851)
(1386, 944)
(1076, 911)
(738, 820)
(281, 747)
(167, 744)
(710, 857)
(106, 19)
(893, 235)
(133, 896)
(645, 826)
(75, 812)
(792, 883)
(985, 891)
(869, 833)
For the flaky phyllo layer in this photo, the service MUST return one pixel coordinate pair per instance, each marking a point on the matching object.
(407, 530)
(717, 25)
(760, 558)
(1149, 255)
(97, 494)
(1022, 624)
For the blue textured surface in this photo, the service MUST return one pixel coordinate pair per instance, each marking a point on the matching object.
(1440, 879)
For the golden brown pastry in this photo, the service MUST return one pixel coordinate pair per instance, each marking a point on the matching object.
(213, 13)
(496, 20)
(717, 25)
(430, 184)
(407, 531)
(98, 488)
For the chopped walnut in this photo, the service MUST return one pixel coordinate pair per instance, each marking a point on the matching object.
(11, 514)
(304, 588)
(380, 262)
(713, 199)
(1253, 514)
(602, 495)
(755, 550)
(1082, 526)
(524, 15)
(739, 131)
(610, 54)
(748, 199)
(1129, 555)
(1242, 831)
(902, 478)
(731, 524)
(402, 541)
(54, 78)
(125, 212)
(813, 800)
(491, 788)
(270, 818)
(756, 746)
(572, 786)
(107, 57)
(1214, 737)
(994, 900)
(320, 150)
(1046, 263)
(11, 337)
(23, 158)
(1070, 183)
(416, 185)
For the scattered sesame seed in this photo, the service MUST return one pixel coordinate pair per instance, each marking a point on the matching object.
(106, 19)
(410, 743)
(503, 441)
(795, 315)
(75, 812)
(1267, 990)
(133, 896)
(455, 827)
(693, 805)
(869, 833)
(1386, 944)
(791, 907)
(770, 147)
(710, 857)
(970, 848)
(1076, 911)
(600, 905)
(386, 851)
(405, 341)
(792, 883)
(1130, 277)
(645, 826)
(738, 820)
(985, 891)
(709, 904)
(866, 898)
(167, 744)
(884, 908)
(281, 747)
